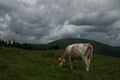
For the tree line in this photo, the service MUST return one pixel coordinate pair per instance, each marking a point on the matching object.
(28, 46)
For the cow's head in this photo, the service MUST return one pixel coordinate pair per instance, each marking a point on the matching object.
(62, 61)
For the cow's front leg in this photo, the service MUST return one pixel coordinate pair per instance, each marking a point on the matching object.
(70, 60)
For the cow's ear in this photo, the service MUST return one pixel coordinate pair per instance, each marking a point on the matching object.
(59, 59)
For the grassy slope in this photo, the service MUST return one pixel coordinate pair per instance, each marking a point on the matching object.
(18, 64)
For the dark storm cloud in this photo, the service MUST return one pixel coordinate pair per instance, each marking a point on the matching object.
(42, 21)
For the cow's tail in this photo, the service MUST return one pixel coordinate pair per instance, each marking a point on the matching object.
(89, 52)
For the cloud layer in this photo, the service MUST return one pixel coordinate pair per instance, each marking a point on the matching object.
(42, 21)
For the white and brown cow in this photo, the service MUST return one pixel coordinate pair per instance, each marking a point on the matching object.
(78, 50)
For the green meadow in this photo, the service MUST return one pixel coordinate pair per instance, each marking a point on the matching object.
(20, 64)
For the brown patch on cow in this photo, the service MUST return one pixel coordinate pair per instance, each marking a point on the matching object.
(73, 49)
(65, 55)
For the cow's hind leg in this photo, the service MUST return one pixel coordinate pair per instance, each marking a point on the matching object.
(87, 63)
(87, 68)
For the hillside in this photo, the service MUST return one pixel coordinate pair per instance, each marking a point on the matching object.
(19, 64)
(62, 43)
(98, 47)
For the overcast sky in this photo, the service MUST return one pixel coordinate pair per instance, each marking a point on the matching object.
(43, 21)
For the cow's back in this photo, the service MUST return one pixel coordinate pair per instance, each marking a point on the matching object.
(75, 49)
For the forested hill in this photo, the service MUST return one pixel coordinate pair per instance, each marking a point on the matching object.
(99, 48)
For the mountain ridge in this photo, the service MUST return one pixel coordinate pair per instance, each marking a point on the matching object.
(99, 48)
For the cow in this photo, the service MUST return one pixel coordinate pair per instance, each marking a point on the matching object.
(83, 51)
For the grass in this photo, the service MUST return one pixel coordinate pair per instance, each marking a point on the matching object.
(19, 64)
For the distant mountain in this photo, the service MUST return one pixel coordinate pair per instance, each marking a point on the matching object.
(99, 48)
